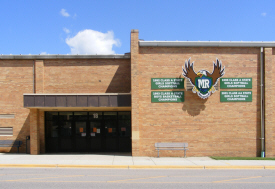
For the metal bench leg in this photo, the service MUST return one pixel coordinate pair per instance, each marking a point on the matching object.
(158, 153)
(17, 149)
(184, 152)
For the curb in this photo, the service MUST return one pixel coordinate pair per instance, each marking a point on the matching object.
(270, 167)
(131, 166)
(94, 166)
(28, 165)
(235, 167)
(165, 167)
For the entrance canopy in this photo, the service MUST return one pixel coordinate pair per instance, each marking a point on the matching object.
(85, 103)
(53, 102)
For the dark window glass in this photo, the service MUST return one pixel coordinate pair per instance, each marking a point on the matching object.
(65, 129)
(110, 115)
(51, 115)
(124, 115)
(51, 129)
(124, 128)
(95, 128)
(95, 115)
(81, 116)
(65, 116)
(111, 127)
(80, 129)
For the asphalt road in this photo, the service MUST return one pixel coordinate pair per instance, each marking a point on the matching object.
(134, 178)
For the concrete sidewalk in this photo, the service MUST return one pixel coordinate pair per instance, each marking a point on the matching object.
(127, 161)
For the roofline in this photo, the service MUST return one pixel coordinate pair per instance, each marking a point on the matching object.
(205, 44)
(43, 57)
(70, 94)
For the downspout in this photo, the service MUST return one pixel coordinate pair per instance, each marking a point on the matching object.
(33, 70)
(262, 105)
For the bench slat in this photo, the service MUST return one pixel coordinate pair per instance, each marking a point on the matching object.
(10, 143)
(172, 149)
(171, 145)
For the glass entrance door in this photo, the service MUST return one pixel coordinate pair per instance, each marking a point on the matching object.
(96, 136)
(80, 136)
(88, 131)
(111, 131)
(103, 132)
(65, 132)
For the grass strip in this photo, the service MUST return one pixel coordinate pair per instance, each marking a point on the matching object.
(240, 158)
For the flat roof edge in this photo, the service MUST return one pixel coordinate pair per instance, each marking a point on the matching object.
(205, 44)
(42, 57)
(70, 94)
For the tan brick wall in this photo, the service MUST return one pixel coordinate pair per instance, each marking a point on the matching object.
(39, 76)
(34, 132)
(269, 102)
(135, 93)
(210, 127)
(16, 78)
(87, 76)
(41, 125)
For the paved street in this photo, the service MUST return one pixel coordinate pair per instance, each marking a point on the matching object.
(134, 178)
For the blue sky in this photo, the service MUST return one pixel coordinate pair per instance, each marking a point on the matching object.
(103, 27)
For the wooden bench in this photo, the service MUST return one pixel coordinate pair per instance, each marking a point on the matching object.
(11, 143)
(171, 146)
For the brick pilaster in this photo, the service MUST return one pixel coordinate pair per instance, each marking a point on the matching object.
(135, 92)
(41, 125)
(269, 102)
(39, 76)
(34, 132)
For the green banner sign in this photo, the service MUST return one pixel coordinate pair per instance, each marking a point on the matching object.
(167, 96)
(167, 83)
(236, 83)
(236, 96)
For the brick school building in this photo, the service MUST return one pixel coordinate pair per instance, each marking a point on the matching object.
(216, 96)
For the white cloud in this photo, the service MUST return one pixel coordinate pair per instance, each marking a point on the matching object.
(43, 53)
(92, 42)
(263, 14)
(63, 12)
(66, 30)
